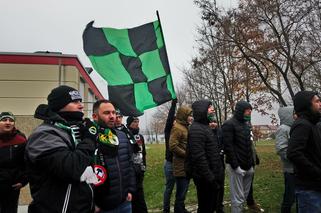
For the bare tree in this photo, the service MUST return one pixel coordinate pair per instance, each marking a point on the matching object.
(275, 37)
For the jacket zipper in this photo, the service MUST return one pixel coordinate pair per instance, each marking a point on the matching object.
(92, 197)
(66, 202)
(120, 178)
(10, 153)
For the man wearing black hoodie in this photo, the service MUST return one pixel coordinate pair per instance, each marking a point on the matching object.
(304, 151)
(203, 161)
(239, 154)
(59, 154)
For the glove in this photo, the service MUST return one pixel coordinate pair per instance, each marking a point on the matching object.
(89, 176)
(89, 130)
(251, 170)
(240, 171)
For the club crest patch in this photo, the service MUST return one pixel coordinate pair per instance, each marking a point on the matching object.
(75, 95)
(93, 130)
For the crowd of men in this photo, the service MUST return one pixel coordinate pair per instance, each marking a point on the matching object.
(76, 164)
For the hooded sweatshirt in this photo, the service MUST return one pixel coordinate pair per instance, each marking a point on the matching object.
(283, 135)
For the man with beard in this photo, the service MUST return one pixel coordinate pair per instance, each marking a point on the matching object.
(139, 203)
(304, 151)
(59, 154)
(113, 157)
(203, 161)
(12, 169)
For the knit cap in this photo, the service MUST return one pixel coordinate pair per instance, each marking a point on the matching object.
(130, 120)
(61, 96)
(4, 115)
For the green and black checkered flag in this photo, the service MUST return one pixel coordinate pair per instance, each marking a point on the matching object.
(134, 63)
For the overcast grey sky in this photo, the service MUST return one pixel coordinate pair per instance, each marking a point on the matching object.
(40, 25)
(57, 25)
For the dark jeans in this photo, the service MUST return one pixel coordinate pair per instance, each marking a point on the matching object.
(125, 207)
(308, 201)
(289, 192)
(181, 190)
(207, 194)
(9, 201)
(169, 185)
(220, 196)
(138, 202)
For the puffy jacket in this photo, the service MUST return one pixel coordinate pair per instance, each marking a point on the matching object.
(121, 176)
(55, 166)
(282, 136)
(203, 158)
(304, 152)
(178, 141)
(12, 166)
(237, 139)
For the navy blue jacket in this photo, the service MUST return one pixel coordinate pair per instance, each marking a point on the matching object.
(121, 176)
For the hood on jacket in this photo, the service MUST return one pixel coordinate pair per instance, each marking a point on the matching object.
(303, 106)
(302, 101)
(240, 108)
(182, 114)
(286, 115)
(43, 112)
(200, 109)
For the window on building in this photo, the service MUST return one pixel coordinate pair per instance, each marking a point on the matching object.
(91, 99)
(82, 89)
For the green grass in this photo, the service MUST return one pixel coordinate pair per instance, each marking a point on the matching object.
(268, 182)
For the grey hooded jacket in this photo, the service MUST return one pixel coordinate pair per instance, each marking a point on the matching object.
(283, 136)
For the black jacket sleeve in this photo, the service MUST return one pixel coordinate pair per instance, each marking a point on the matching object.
(170, 120)
(296, 153)
(197, 153)
(49, 152)
(228, 141)
(132, 178)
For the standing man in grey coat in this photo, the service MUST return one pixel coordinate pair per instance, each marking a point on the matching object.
(287, 117)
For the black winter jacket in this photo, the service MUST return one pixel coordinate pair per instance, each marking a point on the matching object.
(237, 139)
(55, 165)
(121, 176)
(12, 166)
(203, 158)
(304, 152)
(167, 130)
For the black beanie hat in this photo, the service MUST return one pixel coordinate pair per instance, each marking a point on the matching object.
(130, 119)
(302, 101)
(61, 96)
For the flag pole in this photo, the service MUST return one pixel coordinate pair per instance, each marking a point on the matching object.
(161, 30)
